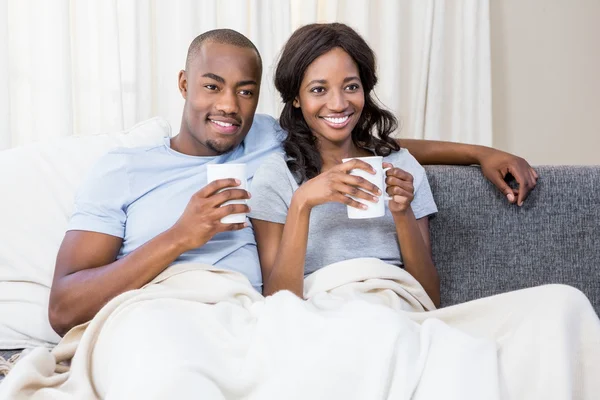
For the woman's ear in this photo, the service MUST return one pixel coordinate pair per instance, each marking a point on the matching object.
(296, 103)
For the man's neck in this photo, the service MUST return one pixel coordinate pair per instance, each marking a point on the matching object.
(186, 144)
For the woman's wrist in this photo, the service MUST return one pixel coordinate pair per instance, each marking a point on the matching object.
(405, 216)
(300, 203)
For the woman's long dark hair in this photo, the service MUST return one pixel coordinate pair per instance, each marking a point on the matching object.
(375, 125)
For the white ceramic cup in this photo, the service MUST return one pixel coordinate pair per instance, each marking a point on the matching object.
(374, 210)
(226, 171)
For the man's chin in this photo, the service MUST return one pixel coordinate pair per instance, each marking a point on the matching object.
(220, 148)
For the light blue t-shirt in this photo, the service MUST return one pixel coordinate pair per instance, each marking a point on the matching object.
(138, 193)
(332, 236)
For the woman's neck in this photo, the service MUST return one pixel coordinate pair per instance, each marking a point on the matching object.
(333, 153)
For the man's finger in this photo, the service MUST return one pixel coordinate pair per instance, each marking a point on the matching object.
(218, 185)
(227, 195)
(234, 227)
(232, 209)
(534, 176)
(498, 180)
(534, 172)
(525, 185)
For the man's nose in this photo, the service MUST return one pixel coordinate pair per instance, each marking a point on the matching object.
(228, 103)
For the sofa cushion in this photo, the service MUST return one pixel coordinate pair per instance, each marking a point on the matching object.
(482, 245)
(38, 184)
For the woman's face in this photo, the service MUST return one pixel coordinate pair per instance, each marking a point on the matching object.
(331, 96)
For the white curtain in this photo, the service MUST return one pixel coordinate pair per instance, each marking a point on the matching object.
(92, 66)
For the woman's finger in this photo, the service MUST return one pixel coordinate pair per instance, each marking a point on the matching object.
(393, 181)
(340, 198)
(355, 164)
(360, 182)
(398, 191)
(353, 191)
(400, 174)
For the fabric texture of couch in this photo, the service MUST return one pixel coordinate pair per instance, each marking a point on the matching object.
(482, 245)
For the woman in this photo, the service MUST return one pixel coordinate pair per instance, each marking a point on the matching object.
(326, 76)
(547, 338)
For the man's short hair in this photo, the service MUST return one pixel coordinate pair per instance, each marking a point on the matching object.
(222, 36)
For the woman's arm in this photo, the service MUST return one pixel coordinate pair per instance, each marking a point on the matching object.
(495, 164)
(413, 234)
(282, 250)
(415, 247)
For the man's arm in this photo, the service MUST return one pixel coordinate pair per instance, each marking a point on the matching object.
(495, 164)
(88, 275)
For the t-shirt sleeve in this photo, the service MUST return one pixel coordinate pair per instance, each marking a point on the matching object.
(100, 202)
(271, 190)
(423, 203)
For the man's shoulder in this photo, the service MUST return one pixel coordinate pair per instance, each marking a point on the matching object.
(122, 159)
(264, 133)
(132, 151)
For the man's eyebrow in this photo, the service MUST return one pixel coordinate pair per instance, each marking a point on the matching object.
(248, 82)
(213, 76)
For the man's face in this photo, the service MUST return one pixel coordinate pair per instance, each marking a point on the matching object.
(221, 87)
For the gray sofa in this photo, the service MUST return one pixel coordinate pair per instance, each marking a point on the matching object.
(484, 246)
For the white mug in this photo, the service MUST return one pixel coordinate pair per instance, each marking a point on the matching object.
(373, 210)
(226, 171)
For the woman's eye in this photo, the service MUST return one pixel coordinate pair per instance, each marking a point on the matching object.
(352, 87)
(318, 89)
(246, 93)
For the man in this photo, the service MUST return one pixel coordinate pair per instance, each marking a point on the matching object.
(142, 210)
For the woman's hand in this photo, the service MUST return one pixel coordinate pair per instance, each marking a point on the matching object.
(496, 164)
(336, 185)
(400, 188)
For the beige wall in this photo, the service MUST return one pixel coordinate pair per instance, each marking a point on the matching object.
(546, 79)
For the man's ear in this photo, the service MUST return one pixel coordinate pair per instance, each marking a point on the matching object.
(183, 83)
(296, 103)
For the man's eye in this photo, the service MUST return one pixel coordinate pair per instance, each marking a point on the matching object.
(318, 89)
(211, 87)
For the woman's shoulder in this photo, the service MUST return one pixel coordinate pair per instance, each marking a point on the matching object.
(403, 159)
(274, 168)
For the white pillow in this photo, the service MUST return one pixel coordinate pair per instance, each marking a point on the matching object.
(37, 189)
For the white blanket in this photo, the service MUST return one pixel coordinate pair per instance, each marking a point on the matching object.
(198, 332)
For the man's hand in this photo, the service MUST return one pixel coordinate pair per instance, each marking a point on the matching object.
(496, 164)
(201, 219)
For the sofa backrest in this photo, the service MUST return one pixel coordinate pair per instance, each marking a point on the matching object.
(482, 245)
